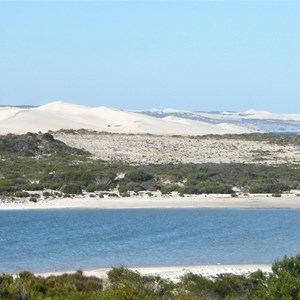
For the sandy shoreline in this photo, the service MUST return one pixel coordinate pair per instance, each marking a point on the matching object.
(291, 201)
(174, 273)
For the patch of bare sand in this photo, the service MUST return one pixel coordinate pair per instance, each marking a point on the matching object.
(147, 149)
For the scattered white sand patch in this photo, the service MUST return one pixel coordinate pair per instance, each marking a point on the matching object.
(146, 149)
(287, 201)
(60, 115)
(174, 273)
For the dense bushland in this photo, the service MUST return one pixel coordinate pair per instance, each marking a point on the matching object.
(283, 283)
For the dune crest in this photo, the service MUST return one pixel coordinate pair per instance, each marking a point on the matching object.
(61, 115)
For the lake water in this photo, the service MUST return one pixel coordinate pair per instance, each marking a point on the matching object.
(72, 239)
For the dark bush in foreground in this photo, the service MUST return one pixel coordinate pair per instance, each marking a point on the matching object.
(283, 283)
(67, 286)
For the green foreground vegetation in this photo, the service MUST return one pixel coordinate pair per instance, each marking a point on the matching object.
(37, 162)
(282, 284)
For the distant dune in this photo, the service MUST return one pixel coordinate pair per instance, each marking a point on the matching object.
(252, 119)
(61, 115)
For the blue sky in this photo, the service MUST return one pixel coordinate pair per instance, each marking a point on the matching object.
(137, 55)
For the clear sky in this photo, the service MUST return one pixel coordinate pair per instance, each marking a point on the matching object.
(152, 54)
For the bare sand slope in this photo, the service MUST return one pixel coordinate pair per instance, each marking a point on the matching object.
(60, 115)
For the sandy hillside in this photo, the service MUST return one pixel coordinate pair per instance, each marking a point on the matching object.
(60, 115)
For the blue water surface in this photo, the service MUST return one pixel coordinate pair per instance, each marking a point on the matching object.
(71, 239)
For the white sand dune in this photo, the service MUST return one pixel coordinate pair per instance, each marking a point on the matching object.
(229, 115)
(60, 115)
(9, 112)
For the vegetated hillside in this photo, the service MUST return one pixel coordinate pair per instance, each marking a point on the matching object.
(122, 283)
(36, 162)
(33, 144)
(69, 175)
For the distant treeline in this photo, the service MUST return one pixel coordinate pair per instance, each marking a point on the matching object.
(123, 284)
(36, 162)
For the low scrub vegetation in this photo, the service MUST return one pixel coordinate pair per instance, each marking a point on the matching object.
(124, 284)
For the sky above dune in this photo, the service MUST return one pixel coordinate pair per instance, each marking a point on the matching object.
(200, 55)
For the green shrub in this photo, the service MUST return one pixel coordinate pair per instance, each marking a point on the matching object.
(96, 187)
(209, 187)
(46, 194)
(134, 186)
(122, 188)
(268, 188)
(33, 199)
(169, 189)
(283, 283)
(125, 194)
(47, 136)
(138, 176)
(6, 185)
(112, 195)
(276, 195)
(21, 194)
(72, 189)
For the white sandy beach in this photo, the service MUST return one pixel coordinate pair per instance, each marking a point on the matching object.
(291, 201)
(174, 273)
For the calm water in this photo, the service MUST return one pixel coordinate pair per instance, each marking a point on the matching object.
(71, 239)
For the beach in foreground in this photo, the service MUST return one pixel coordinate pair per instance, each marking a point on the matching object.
(199, 201)
(174, 273)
